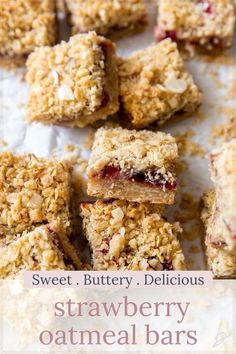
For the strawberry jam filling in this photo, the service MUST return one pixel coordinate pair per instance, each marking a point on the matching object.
(150, 177)
(161, 34)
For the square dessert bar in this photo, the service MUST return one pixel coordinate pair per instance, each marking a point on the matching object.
(41, 249)
(133, 165)
(108, 18)
(205, 23)
(221, 260)
(74, 83)
(25, 25)
(154, 85)
(222, 230)
(131, 236)
(32, 192)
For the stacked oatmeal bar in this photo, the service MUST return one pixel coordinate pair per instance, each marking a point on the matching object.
(219, 212)
(34, 201)
(134, 174)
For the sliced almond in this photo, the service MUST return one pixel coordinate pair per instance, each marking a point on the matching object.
(173, 84)
(65, 93)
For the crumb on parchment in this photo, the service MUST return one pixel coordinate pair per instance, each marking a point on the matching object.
(187, 147)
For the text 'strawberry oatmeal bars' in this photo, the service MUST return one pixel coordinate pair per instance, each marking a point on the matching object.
(131, 236)
(108, 18)
(44, 248)
(32, 192)
(221, 260)
(133, 165)
(154, 85)
(25, 25)
(205, 23)
(74, 83)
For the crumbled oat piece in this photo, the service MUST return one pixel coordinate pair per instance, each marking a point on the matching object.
(25, 25)
(149, 242)
(187, 147)
(154, 85)
(226, 131)
(73, 83)
(44, 248)
(204, 23)
(32, 192)
(133, 165)
(108, 18)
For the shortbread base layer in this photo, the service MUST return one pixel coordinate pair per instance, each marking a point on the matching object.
(128, 190)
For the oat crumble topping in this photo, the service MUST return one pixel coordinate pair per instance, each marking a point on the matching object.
(107, 17)
(39, 249)
(32, 192)
(154, 85)
(25, 25)
(204, 22)
(131, 236)
(69, 80)
(130, 149)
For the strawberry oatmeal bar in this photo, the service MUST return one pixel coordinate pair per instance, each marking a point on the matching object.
(219, 212)
(74, 83)
(32, 192)
(154, 85)
(44, 248)
(108, 18)
(131, 236)
(25, 25)
(133, 165)
(205, 23)
(221, 260)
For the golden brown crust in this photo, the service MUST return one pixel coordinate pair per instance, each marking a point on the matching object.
(32, 192)
(131, 236)
(154, 85)
(25, 25)
(108, 18)
(73, 83)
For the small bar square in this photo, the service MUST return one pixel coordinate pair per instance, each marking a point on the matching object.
(205, 23)
(133, 165)
(74, 83)
(32, 192)
(221, 260)
(110, 18)
(44, 248)
(25, 25)
(218, 213)
(131, 236)
(154, 86)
